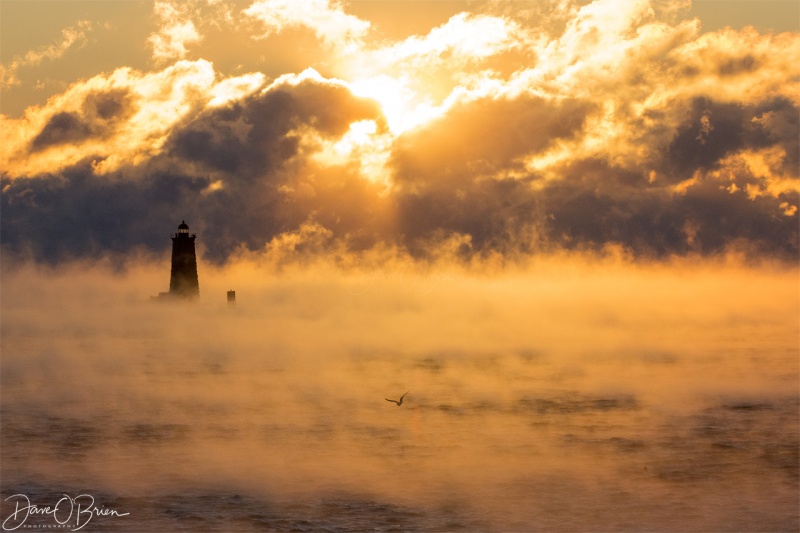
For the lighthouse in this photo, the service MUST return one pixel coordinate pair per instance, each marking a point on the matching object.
(183, 275)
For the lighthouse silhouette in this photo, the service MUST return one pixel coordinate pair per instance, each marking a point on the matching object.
(183, 275)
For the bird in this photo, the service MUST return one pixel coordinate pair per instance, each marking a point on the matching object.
(398, 402)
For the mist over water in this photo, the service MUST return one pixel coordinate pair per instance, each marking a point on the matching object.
(565, 397)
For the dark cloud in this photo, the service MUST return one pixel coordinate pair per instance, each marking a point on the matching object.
(778, 119)
(100, 114)
(253, 137)
(652, 221)
(497, 215)
(482, 137)
(242, 174)
(268, 187)
(109, 105)
(738, 65)
(246, 145)
(60, 129)
(78, 214)
(712, 130)
(453, 174)
(451, 182)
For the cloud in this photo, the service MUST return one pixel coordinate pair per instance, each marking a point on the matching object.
(252, 136)
(456, 150)
(70, 36)
(238, 164)
(115, 119)
(706, 218)
(326, 18)
(99, 114)
(463, 38)
(175, 31)
(712, 130)
(419, 77)
(620, 127)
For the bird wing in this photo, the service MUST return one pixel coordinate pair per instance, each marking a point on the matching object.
(404, 395)
(388, 400)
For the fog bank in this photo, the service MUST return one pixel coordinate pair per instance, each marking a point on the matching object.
(564, 395)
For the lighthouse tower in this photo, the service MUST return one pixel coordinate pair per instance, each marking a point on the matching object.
(183, 275)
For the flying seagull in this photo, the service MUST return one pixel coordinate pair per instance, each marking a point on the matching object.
(398, 402)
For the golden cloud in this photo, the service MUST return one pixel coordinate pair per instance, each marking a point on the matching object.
(326, 18)
(70, 36)
(174, 34)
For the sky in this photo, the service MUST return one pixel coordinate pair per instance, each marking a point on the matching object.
(476, 130)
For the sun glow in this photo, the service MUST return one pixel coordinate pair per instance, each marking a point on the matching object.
(359, 136)
(362, 143)
(403, 108)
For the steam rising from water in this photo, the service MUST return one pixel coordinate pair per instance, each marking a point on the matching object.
(560, 397)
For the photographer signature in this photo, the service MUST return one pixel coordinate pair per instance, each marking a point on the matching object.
(68, 512)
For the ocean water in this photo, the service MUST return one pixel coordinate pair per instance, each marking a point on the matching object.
(632, 401)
